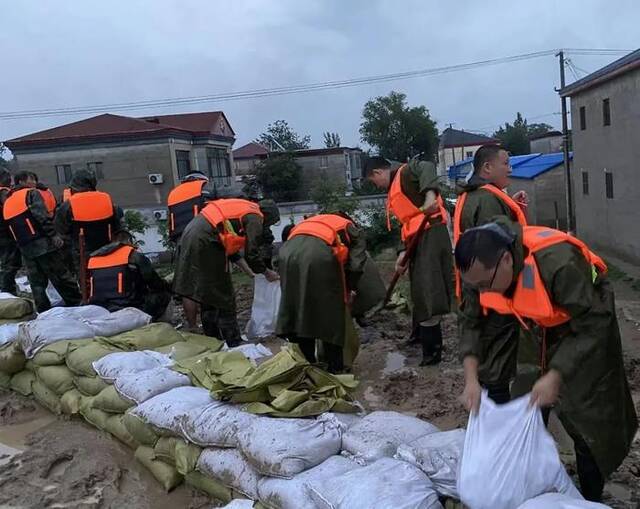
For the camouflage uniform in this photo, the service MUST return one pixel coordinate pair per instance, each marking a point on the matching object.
(10, 257)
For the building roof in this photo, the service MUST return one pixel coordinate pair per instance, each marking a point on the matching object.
(454, 138)
(550, 134)
(107, 127)
(249, 151)
(314, 152)
(526, 166)
(620, 66)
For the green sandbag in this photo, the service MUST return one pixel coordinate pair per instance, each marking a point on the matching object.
(186, 455)
(70, 402)
(55, 353)
(12, 358)
(108, 400)
(89, 385)
(116, 427)
(97, 418)
(22, 382)
(5, 381)
(209, 486)
(46, 397)
(140, 430)
(165, 450)
(59, 379)
(15, 308)
(193, 344)
(148, 337)
(30, 366)
(165, 474)
(81, 359)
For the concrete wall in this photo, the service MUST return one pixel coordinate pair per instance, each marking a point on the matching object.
(604, 223)
(450, 155)
(549, 145)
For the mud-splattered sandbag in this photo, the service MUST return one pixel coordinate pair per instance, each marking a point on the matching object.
(46, 397)
(285, 447)
(383, 484)
(70, 402)
(215, 489)
(89, 385)
(12, 358)
(560, 501)
(345, 421)
(22, 382)
(12, 307)
(165, 474)
(139, 387)
(81, 359)
(114, 425)
(438, 455)
(143, 336)
(55, 353)
(110, 401)
(59, 379)
(142, 432)
(120, 321)
(379, 434)
(230, 468)
(113, 365)
(277, 493)
(165, 411)
(215, 425)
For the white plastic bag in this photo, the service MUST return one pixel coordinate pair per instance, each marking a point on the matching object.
(380, 433)
(113, 365)
(215, 425)
(252, 351)
(122, 320)
(509, 457)
(239, 503)
(438, 455)
(560, 501)
(293, 493)
(143, 385)
(264, 310)
(230, 468)
(286, 447)
(384, 484)
(54, 297)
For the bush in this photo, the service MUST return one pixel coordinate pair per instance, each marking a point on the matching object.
(374, 222)
(330, 197)
(135, 222)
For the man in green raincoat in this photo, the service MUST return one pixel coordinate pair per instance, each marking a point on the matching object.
(431, 268)
(581, 354)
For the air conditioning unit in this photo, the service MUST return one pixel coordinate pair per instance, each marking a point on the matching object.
(160, 215)
(156, 178)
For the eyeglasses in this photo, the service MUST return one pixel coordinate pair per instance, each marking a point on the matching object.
(487, 286)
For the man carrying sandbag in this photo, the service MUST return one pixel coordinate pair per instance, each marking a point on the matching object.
(320, 266)
(557, 289)
(214, 237)
(120, 276)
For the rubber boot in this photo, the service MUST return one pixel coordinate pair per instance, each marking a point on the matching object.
(414, 338)
(431, 338)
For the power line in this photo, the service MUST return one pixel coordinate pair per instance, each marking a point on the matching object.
(294, 89)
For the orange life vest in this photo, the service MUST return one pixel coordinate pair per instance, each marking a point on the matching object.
(22, 225)
(516, 212)
(66, 194)
(407, 213)
(92, 215)
(110, 277)
(226, 217)
(330, 228)
(185, 202)
(49, 200)
(530, 299)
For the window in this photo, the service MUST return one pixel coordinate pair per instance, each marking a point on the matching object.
(63, 172)
(606, 112)
(219, 166)
(96, 168)
(183, 163)
(358, 161)
(324, 162)
(583, 118)
(608, 182)
(585, 183)
(468, 154)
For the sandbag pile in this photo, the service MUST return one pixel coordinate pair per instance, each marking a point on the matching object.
(13, 310)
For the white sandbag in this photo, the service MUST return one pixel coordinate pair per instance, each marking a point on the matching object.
(239, 503)
(381, 485)
(560, 501)
(143, 385)
(215, 425)
(379, 434)
(230, 468)
(8, 333)
(165, 410)
(38, 333)
(438, 455)
(120, 321)
(89, 312)
(285, 447)
(509, 457)
(252, 351)
(277, 493)
(345, 420)
(264, 309)
(116, 364)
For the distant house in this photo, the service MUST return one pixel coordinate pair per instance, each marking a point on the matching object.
(246, 158)
(456, 146)
(605, 113)
(541, 176)
(547, 143)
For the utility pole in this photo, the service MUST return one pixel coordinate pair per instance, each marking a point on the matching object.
(565, 148)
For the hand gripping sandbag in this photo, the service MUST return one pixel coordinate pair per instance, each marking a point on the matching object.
(115, 364)
(509, 457)
(264, 310)
(560, 501)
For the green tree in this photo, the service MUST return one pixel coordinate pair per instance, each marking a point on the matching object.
(279, 176)
(280, 136)
(515, 137)
(135, 222)
(330, 197)
(331, 140)
(398, 131)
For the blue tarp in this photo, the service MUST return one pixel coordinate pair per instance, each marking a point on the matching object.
(527, 166)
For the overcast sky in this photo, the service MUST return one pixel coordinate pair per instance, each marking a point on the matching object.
(77, 53)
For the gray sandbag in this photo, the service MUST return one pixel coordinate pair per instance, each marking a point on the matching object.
(141, 386)
(22, 382)
(81, 360)
(114, 425)
(211, 487)
(70, 402)
(112, 366)
(57, 378)
(142, 432)
(46, 397)
(165, 474)
(230, 468)
(12, 358)
(89, 385)
(108, 400)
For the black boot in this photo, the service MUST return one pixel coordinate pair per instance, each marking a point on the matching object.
(431, 338)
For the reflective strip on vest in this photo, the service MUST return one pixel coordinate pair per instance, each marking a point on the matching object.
(220, 213)
(110, 276)
(19, 219)
(184, 202)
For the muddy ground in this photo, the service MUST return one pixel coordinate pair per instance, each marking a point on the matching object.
(64, 463)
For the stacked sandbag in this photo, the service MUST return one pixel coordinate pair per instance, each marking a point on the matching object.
(13, 310)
